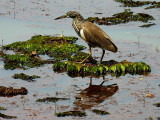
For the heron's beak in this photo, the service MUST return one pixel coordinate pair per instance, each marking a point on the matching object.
(63, 16)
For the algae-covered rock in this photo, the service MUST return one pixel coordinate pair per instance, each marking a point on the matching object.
(10, 91)
(157, 104)
(25, 77)
(27, 52)
(2, 108)
(147, 25)
(132, 3)
(7, 116)
(20, 61)
(123, 68)
(101, 112)
(71, 113)
(123, 17)
(51, 99)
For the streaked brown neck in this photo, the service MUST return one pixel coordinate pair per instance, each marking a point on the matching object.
(76, 23)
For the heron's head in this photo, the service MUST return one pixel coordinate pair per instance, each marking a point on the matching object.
(70, 14)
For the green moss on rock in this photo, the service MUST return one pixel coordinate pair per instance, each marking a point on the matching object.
(132, 3)
(2, 108)
(25, 77)
(100, 112)
(123, 68)
(27, 52)
(157, 104)
(71, 113)
(51, 99)
(7, 116)
(147, 25)
(123, 17)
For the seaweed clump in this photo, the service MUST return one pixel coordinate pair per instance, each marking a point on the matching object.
(115, 69)
(147, 25)
(123, 17)
(20, 61)
(132, 3)
(100, 112)
(10, 91)
(7, 116)
(25, 77)
(2, 108)
(51, 99)
(27, 52)
(71, 113)
(157, 104)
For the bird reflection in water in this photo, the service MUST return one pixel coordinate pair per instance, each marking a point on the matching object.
(94, 95)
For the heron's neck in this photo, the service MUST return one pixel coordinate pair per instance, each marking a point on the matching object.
(79, 18)
(77, 22)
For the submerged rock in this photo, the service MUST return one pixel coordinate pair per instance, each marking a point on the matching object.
(101, 112)
(10, 91)
(7, 116)
(157, 104)
(147, 25)
(51, 99)
(71, 113)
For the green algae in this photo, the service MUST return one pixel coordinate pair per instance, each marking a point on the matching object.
(7, 116)
(51, 99)
(147, 25)
(2, 108)
(123, 17)
(100, 112)
(121, 68)
(79, 56)
(157, 104)
(132, 3)
(25, 77)
(20, 61)
(71, 113)
(27, 52)
(150, 118)
(49, 45)
(65, 54)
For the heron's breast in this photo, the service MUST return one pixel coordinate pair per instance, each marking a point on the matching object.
(83, 37)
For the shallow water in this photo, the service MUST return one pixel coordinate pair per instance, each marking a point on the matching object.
(22, 20)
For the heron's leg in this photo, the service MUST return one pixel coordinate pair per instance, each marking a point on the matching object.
(90, 81)
(102, 56)
(87, 56)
